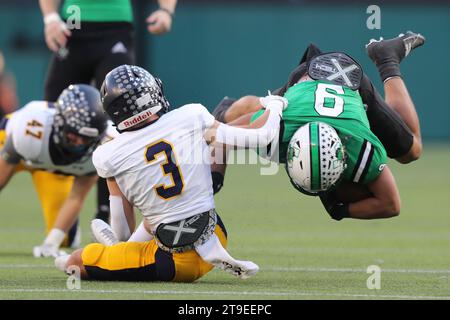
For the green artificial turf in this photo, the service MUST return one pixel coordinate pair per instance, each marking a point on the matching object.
(302, 252)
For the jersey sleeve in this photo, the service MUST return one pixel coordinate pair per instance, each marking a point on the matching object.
(199, 112)
(101, 163)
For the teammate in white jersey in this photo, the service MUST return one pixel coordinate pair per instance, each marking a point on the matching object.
(55, 142)
(160, 164)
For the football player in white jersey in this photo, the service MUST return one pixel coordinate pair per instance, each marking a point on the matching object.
(160, 164)
(55, 142)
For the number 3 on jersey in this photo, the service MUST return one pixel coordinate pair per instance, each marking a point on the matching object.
(326, 103)
(169, 168)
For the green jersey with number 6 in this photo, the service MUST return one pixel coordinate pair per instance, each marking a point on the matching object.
(343, 109)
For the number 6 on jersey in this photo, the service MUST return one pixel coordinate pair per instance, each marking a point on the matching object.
(169, 167)
(326, 103)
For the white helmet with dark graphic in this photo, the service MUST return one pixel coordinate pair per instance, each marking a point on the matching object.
(130, 95)
(315, 158)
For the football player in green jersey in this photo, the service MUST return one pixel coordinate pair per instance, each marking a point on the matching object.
(332, 89)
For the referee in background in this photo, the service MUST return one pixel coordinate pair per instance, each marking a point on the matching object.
(101, 41)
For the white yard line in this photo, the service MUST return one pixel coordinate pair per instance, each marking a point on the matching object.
(275, 269)
(231, 293)
(349, 270)
(26, 266)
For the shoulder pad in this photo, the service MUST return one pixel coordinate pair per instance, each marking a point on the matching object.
(30, 127)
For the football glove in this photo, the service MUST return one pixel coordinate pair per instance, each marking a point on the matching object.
(275, 103)
(337, 209)
(46, 250)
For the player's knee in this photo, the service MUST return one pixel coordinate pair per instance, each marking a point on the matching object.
(414, 153)
(249, 104)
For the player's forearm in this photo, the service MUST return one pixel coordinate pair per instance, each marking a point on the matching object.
(68, 213)
(385, 201)
(123, 220)
(372, 208)
(169, 5)
(72, 206)
(49, 6)
(247, 138)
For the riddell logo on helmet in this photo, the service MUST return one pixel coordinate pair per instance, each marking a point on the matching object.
(135, 120)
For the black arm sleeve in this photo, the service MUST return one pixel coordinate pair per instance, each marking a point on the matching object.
(9, 153)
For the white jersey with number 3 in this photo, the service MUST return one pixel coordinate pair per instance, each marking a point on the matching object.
(163, 169)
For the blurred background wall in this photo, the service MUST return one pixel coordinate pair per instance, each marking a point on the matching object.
(218, 48)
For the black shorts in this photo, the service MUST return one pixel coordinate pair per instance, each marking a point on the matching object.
(92, 51)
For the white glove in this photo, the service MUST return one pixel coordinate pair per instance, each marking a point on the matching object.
(275, 103)
(46, 250)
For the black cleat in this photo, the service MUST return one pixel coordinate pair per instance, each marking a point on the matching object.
(387, 54)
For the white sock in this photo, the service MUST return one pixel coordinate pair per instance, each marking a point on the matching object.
(55, 237)
(140, 234)
(213, 252)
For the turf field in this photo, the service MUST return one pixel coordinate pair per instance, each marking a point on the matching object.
(303, 254)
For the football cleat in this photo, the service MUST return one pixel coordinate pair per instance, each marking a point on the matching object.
(45, 251)
(214, 253)
(394, 50)
(103, 233)
(240, 269)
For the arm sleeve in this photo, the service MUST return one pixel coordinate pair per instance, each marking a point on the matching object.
(9, 152)
(119, 222)
(250, 138)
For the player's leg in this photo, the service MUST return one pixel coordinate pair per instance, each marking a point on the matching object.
(53, 190)
(125, 261)
(75, 67)
(387, 55)
(241, 108)
(137, 261)
(397, 97)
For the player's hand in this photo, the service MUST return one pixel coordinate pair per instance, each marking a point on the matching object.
(56, 33)
(159, 22)
(46, 250)
(273, 102)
